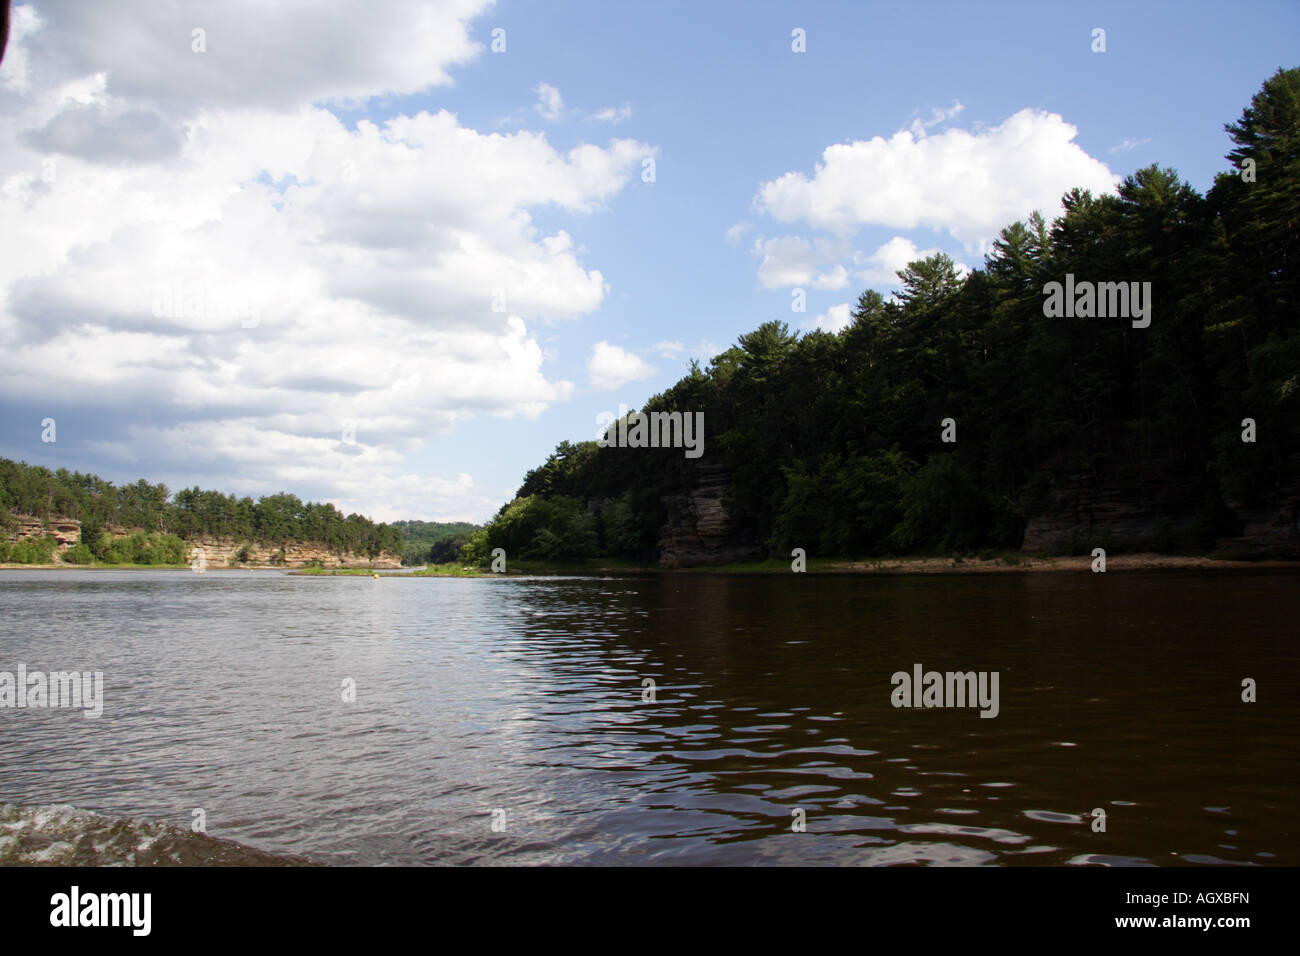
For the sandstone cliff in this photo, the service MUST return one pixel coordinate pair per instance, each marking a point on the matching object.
(697, 528)
(65, 531)
(1077, 516)
(1072, 517)
(217, 551)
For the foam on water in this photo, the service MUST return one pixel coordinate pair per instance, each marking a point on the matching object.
(62, 835)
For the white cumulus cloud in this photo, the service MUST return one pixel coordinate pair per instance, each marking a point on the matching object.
(834, 319)
(796, 261)
(610, 366)
(969, 184)
(883, 265)
(233, 271)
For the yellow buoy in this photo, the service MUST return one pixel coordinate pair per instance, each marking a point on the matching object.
(375, 576)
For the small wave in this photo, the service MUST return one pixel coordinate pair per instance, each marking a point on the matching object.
(62, 835)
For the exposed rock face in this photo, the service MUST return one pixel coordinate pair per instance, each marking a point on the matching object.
(696, 532)
(65, 530)
(218, 552)
(1079, 516)
(1272, 532)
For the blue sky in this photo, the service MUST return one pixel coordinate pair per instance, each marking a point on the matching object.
(366, 183)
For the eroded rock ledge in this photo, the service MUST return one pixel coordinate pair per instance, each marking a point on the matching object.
(217, 552)
(696, 531)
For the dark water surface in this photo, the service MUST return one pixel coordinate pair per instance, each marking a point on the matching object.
(223, 692)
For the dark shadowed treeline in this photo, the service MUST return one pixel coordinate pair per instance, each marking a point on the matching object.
(190, 513)
(832, 442)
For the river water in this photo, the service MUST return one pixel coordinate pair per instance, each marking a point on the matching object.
(507, 720)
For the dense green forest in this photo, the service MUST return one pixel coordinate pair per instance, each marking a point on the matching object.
(832, 442)
(433, 542)
(189, 513)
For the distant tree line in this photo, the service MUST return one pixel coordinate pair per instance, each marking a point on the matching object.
(433, 542)
(189, 513)
(832, 442)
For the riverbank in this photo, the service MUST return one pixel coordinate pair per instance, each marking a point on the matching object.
(437, 571)
(94, 566)
(1002, 563)
(98, 566)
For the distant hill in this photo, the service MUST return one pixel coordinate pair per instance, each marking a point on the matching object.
(191, 513)
(421, 538)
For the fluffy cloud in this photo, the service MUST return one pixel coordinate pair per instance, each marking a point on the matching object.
(836, 278)
(967, 184)
(100, 134)
(883, 265)
(795, 261)
(326, 465)
(231, 273)
(610, 367)
(550, 104)
(834, 319)
(259, 55)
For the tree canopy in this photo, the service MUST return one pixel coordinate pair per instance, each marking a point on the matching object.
(189, 513)
(833, 442)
